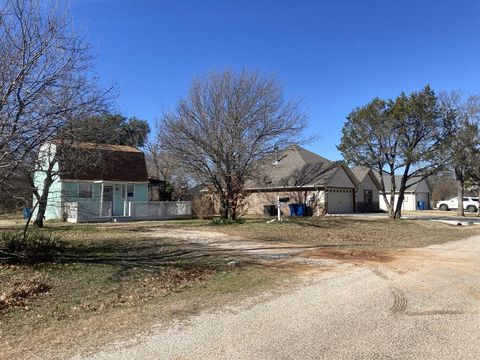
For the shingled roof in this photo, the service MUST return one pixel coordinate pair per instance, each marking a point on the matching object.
(88, 161)
(411, 187)
(361, 173)
(296, 167)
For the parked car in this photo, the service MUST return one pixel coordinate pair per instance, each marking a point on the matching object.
(469, 204)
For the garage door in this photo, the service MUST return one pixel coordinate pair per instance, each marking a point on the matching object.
(340, 201)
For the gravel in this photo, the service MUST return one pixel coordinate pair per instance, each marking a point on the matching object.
(425, 304)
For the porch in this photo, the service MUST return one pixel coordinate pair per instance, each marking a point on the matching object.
(102, 211)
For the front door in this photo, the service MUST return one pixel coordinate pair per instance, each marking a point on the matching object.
(368, 199)
(107, 205)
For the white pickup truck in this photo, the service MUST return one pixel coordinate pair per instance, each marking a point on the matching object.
(469, 204)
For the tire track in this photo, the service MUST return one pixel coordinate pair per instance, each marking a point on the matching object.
(400, 301)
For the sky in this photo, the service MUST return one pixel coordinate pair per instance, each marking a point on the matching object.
(331, 55)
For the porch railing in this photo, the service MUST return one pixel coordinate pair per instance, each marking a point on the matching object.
(90, 211)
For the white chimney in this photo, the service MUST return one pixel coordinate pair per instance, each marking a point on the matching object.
(276, 155)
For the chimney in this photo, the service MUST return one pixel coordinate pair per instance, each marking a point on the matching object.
(276, 155)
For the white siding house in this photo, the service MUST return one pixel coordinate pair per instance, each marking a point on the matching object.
(418, 192)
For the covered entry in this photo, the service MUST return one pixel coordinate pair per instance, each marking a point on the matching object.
(340, 201)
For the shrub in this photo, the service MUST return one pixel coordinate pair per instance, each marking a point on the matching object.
(33, 243)
(220, 221)
(202, 206)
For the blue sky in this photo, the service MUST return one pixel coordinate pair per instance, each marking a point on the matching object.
(334, 55)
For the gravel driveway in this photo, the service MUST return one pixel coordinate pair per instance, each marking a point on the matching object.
(423, 304)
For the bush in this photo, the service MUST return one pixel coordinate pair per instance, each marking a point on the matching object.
(220, 221)
(202, 206)
(33, 243)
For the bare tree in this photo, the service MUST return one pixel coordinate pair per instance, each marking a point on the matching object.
(45, 79)
(163, 166)
(226, 124)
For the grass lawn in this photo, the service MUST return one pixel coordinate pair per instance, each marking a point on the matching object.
(348, 232)
(112, 280)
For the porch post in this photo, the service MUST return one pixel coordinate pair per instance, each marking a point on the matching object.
(101, 199)
(125, 200)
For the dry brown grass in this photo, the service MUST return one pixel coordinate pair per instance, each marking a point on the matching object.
(345, 232)
(110, 281)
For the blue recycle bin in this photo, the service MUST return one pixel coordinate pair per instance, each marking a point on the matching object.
(293, 209)
(27, 213)
(297, 209)
(300, 209)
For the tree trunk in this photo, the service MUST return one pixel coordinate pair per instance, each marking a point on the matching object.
(42, 208)
(460, 192)
(398, 206)
(224, 210)
(43, 199)
(478, 209)
(391, 208)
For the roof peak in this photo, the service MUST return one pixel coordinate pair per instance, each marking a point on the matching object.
(307, 156)
(96, 146)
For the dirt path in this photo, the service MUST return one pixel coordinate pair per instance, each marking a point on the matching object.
(414, 304)
(240, 249)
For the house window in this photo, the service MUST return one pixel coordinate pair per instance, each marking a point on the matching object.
(85, 191)
(130, 191)
(368, 197)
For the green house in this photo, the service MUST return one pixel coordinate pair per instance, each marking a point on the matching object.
(94, 182)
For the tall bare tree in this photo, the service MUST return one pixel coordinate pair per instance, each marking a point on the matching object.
(226, 124)
(406, 135)
(163, 166)
(45, 79)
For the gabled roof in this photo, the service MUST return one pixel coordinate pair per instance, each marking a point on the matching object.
(88, 161)
(297, 167)
(412, 183)
(361, 173)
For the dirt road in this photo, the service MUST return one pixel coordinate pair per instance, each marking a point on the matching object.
(412, 304)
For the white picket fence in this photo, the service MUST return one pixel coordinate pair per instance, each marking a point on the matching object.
(157, 210)
(94, 211)
(87, 211)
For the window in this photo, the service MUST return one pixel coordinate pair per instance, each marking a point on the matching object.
(85, 191)
(368, 197)
(130, 190)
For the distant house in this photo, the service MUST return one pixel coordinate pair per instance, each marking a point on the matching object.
(305, 177)
(96, 182)
(368, 191)
(418, 194)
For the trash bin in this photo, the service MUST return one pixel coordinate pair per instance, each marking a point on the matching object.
(269, 210)
(27, 213)
(421, 205)
(300, 210)
(308, 211)
(293, 209)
